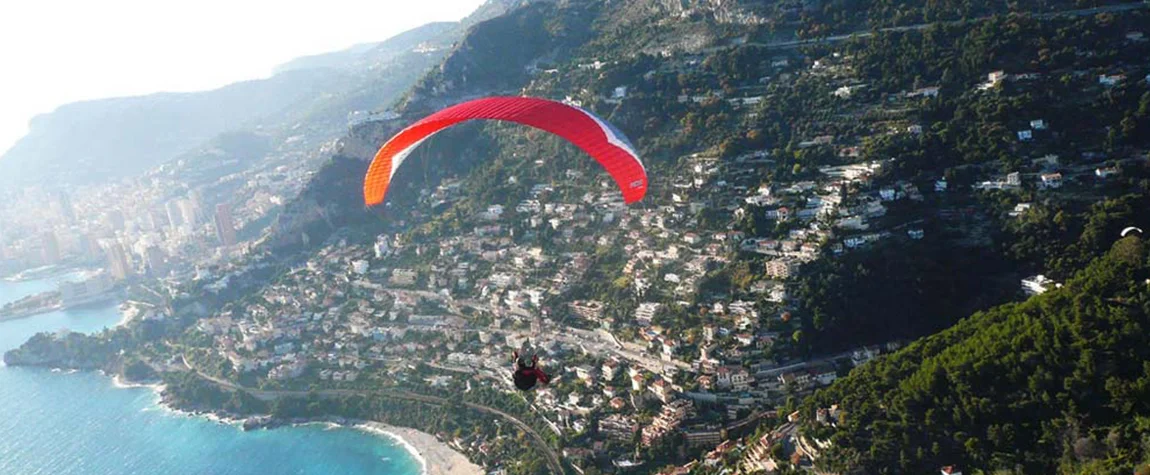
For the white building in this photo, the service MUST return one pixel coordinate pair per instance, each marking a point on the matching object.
(360, 267)
(1038, 285)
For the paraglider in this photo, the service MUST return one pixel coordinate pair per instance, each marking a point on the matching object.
(1131, 229)
(592, 134)
(527, 372)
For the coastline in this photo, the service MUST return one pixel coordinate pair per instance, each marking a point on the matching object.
(434, 456)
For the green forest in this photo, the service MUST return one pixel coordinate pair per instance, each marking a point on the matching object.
(1059, 383)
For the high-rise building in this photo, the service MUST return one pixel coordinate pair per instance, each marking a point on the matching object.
(114, 220)
(175, 219)
(155, 262)
(225, 225)
(188, 212)
(64, 207)
(117, 260)
(50, 247)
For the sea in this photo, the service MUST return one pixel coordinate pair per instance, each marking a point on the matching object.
(60, 422)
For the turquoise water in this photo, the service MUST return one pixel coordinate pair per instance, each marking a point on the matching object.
(59, 423)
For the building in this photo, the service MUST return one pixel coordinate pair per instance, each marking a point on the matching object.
(1037, 285)
(646, 312)
(118, 263)
(618, 427)
(225, 225)
(381, 247)
(64, 204)
(610, 369)
(662, 390)
(360, 267)
(189, 214)
(1051, 180)
(50, 248)
(703, 437)
(637, 383)
(172, 210)
(780, 268)
(86, 291)
(1106, 172)
(673, 415)
(114, 220)
(155, 262)
(1014, 179)
(1111, 80)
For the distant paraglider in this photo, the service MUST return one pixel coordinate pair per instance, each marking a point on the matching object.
(592, 134)
(1131, 229)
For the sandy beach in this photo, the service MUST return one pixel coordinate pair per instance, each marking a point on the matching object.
(438, 458)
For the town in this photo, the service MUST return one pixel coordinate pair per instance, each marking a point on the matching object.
(669, 323)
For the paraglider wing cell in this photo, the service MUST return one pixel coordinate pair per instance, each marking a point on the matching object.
(593, 135)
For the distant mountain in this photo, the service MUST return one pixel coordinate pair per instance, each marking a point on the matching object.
(94, 141)
(432, 35)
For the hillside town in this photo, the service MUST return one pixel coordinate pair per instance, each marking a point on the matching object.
(665, 324)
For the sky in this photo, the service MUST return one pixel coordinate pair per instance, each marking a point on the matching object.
(54, 52)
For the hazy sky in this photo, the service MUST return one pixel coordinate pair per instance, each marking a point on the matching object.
(53, 52)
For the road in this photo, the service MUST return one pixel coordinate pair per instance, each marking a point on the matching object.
(270, 395)
(922, 26)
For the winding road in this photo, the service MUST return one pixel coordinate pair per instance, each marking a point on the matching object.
(553, 460)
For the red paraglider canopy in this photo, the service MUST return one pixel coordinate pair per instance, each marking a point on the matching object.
(583, 129)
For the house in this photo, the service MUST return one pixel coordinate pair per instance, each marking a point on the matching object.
(1038, 124)
(1051, 180)
(1020, 209)
(617, 403)
(1135, 36)
(995, 77)
(1014, 179)
(915, 233)
(1109, 80)
(1038, 285)
(924, 92)
(663, 390)
(1047, 162)
(940, 186)
(585, 373)
(360, 267)
(1105, 172)
(950, 470)
(914, 129)
(637, 383)
(646, 312)
(610, 369)
(1025, 135)
(864, 355)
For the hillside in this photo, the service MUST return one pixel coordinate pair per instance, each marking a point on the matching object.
(1057, 384)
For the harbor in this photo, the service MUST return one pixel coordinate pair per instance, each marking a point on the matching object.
(92, 288)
